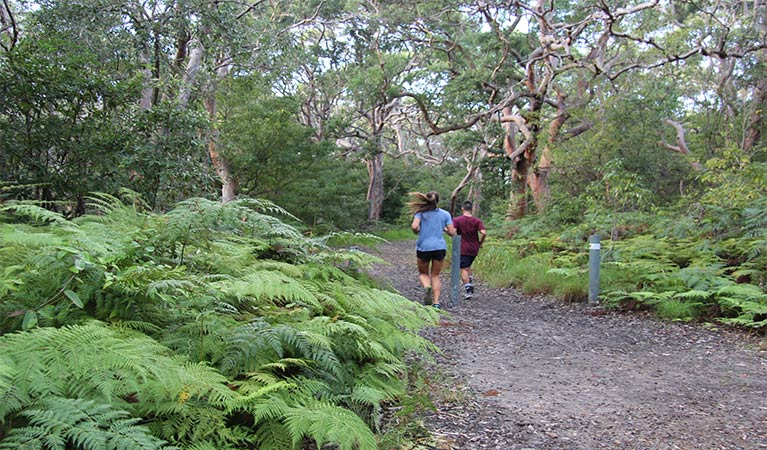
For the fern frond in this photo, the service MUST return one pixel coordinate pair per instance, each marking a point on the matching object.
(84, 424)
(693, 295)
(271, 285)
(743, 291)
(246, 347)
(385, 376)
(273, 435)
(350, 239)
(12, 398)
(745, 321)
(104, 203)
(269, 409)
(368, 396)
(328, 424)
(93, 361)
(200, 216)
(38, 213)
(310, 345)
(263, 206)
(136, 325)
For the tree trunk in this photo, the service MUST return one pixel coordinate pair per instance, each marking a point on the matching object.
(756, 119)
(520, 162)
(539, 179)
(375, 194)
(220, 165)
(190, 75)
(539, 184)
(228, 184)
(518, 198)
(475, 191)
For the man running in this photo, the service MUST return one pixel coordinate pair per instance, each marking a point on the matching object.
(473, 233)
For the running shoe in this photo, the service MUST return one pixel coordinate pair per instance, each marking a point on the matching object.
(436, 306)
(427, 296)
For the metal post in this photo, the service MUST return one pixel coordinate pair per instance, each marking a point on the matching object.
(455, 271)
(594, 260)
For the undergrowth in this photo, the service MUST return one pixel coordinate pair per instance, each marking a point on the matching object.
(212, 326)
(681, 269)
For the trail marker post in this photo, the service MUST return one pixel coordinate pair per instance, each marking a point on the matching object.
(594, 261)
(455, 271)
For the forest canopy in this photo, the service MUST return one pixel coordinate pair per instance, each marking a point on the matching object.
(516, 105)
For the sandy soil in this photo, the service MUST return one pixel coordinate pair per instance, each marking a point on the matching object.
(540, 374)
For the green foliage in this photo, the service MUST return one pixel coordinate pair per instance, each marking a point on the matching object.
(59, 423)
(677, 310)
(702, 269)
(79, 131)
(213, 325)
(736, 181)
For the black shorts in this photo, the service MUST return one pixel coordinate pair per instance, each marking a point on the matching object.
(436, 255)
(466, 261)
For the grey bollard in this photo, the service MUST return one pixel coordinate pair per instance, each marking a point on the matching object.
(594, 261)
(455, 271)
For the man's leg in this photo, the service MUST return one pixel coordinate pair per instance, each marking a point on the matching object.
(466, 261)
(465, 273)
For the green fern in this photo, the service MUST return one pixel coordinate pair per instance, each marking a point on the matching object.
(744, 291)
(693, 294)
(37, 213)
(325, 423)
(746, 302)
(273, 435)
(264, 285)
(59, 423)
(12, 398)
(219, 325)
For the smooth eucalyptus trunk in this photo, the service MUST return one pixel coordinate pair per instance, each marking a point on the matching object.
(228, 184)
(220, 165)
(375, 195)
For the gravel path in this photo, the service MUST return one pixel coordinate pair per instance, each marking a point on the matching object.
(534, 373)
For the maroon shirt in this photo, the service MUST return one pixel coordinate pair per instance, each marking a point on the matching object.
(468, 228)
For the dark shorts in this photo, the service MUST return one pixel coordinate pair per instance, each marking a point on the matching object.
(466, 261)
(436, 255)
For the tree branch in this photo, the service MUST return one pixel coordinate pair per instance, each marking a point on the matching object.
(681, 144)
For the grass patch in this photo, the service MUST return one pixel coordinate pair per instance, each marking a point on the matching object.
(572, 288)
(396, 234)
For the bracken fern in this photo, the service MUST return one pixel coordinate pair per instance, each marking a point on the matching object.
(213, 326)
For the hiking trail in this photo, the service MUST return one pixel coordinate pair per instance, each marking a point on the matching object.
(536, 373)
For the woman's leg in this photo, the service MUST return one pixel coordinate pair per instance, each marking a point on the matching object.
(423, 273)
(436, 284)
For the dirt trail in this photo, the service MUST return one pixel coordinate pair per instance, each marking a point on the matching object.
(540, 374)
